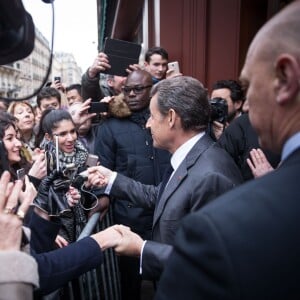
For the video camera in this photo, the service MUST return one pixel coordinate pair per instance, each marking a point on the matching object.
(219, 110)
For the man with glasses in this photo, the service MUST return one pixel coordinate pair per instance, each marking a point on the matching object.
(126, 146)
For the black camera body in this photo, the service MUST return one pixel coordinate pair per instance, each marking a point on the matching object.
(219, 110)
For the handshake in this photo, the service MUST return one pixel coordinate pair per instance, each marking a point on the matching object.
(97, 176)
(121, 238)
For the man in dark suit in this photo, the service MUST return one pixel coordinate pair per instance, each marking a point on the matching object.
(123, 144)
(245, 245)
(179, 117)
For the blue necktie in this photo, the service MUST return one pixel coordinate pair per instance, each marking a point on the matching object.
(164, 182)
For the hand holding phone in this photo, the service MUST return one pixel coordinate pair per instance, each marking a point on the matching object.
(174, 66)
(57, 78)
(21, 174)
(98, 107)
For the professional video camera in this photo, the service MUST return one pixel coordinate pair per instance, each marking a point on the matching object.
(219, 110)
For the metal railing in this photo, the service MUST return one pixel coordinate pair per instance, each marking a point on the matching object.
(102, 283)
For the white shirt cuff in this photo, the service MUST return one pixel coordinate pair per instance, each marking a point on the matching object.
(110, 183)
(141, 258)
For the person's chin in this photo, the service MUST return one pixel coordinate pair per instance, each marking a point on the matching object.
(155, 144)
(15, 160)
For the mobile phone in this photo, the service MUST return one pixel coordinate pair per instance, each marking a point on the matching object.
(92, 160)
(174, 65)
(21, 174)
(57, 78)
(98, 107)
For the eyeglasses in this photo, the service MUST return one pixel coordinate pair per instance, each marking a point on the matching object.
(135, 89)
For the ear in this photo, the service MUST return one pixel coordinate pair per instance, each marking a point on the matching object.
(171, 118)
(288, 78)
(110, 82)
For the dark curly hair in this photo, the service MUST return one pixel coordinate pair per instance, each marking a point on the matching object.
(7, 120)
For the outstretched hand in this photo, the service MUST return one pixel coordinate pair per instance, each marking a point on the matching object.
(11, 220)
(258, 163)
(100, 64)
(80, 114)
(130, 244)
(98, 176)
(121, 238)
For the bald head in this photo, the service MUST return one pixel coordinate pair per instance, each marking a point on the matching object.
(280, 33)
(140, 75)
(271, 74)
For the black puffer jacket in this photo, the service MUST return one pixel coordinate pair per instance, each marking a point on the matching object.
(126, 146)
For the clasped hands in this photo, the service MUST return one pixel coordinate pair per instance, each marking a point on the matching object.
(121, 238)
(98, 176)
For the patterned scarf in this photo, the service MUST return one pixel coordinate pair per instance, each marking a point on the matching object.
(76, 159)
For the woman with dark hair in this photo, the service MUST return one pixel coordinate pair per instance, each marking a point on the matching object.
(66, 157)
(11, 158)
(12, 154)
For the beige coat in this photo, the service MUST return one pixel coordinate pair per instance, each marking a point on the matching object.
(18, 275)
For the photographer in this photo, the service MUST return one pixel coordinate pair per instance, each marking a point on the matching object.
(218, 117)
(231, 91)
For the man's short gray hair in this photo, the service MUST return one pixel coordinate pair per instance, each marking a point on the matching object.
(188, 97)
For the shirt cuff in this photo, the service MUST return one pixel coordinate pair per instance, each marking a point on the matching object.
(141, 258)
(110, 183)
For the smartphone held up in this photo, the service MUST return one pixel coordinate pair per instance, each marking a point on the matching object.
(174, 66)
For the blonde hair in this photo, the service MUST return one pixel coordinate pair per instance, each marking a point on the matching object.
(12, 106)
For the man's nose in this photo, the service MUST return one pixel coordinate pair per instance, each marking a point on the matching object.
(132, 92)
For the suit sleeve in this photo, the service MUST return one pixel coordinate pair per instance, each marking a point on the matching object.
(59, 266)
(141, 195)
(154, 258)
(199, 267)
(43, 233)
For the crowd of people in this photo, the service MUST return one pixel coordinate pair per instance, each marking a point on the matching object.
(198, 207)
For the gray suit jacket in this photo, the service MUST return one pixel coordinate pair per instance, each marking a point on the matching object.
(206, 172)
(245, 245)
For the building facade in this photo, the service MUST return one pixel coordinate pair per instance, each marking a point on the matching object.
(209, 38)
(22, 78)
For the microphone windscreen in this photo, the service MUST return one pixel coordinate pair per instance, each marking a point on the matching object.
(17, 43)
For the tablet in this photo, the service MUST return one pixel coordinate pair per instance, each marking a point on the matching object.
(121, 54)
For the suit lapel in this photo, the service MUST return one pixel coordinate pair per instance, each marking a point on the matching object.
(180, 174)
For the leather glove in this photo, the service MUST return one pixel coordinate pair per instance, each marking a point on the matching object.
(51, 194)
